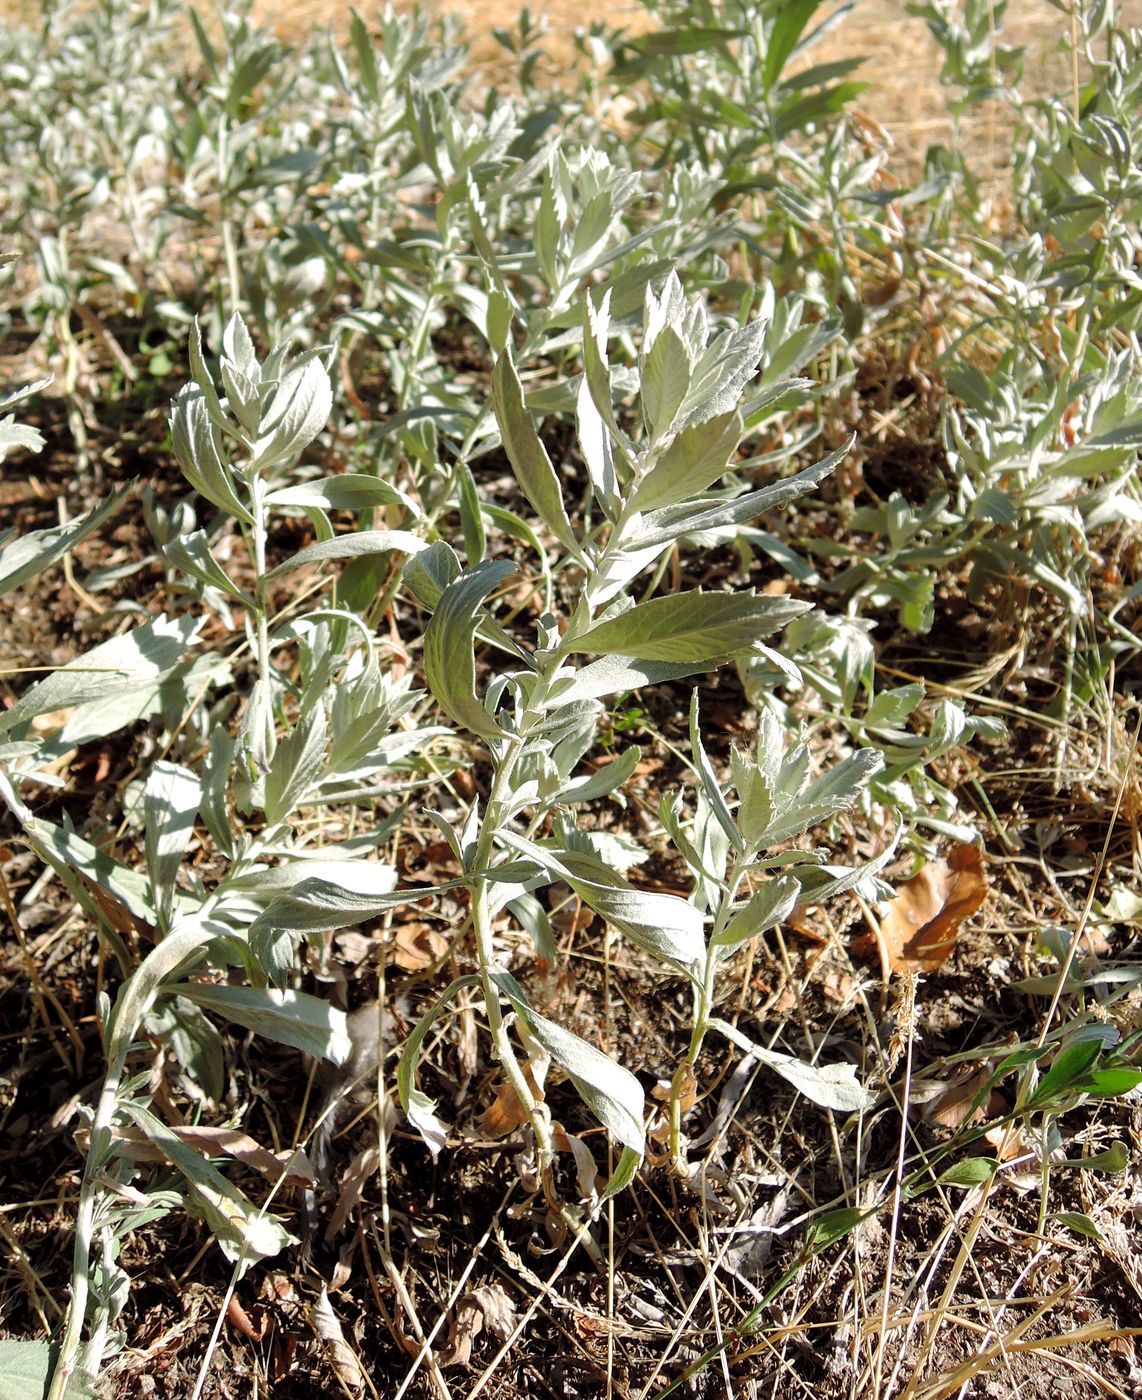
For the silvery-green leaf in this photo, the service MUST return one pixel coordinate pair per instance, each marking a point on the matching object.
(830, 1086)
(602, 782)
(614, 675)
(723, 371)
(243, 1231)
(430, 572)
(673, 522)
(618, 567)
(660, 311)
(665, 381)
(611, 1092)
(36, 551)
(296, 414)
(305, 1022)
(449, 665)
(534, 918)
(243, 396)
(595, 444)
(527, 454)
(198, 447)
(194, 1040)
(709, 779)
(13, 397)
(892, 707)
(316, 904)
(165, 695)
(691, 464)
(350, 546)
(419, 1108)
(204, 381)
(134, 661)
(766, 909)
(174, 956)
(664, 925)
(192, 555)
(756, 796)
(691, 626)
(596, 370)
(296, 765)
(824, 882)
(66, 852)
(350, 491)
(13, 434)
(835, 791)
(26, 1370)
(171, 797)
(239, 348)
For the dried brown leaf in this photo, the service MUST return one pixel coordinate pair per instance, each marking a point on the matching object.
(341, 1355)
(923, 920)
(487, 1306)
(417, 946)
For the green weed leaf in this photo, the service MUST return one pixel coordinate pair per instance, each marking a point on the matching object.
(691, 626)
(305, 1022)
(527, 454)
(449, 664)
(611, 1092)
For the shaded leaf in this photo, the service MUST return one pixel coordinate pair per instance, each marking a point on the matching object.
(449, 664)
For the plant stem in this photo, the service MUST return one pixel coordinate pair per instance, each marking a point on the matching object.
(494, 818)
(98, 1152)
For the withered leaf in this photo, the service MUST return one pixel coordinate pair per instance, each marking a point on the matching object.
(920, 927)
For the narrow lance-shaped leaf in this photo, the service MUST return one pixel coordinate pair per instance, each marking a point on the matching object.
(420, 1109)
(243, 1231)
(765, 910)
(661, 527)
(349, 491)
(691, 626)
(664, 925)
(170, 804)
(595, 444)
(709, 780)
(198, 447)
(134, 660)
(204, 380)
(36, 551)
(191, 553)
(305, 1022)
(317, 904)
(296, 414)
(613, 675)
(696, 459)
(296, 765)
(350, 546)
(611, 1092)
(831, 1086)
(665, 381)
(527, 454)
(835, 791)
(449, 664)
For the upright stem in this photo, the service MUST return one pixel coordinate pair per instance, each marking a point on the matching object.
(98, 1151)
